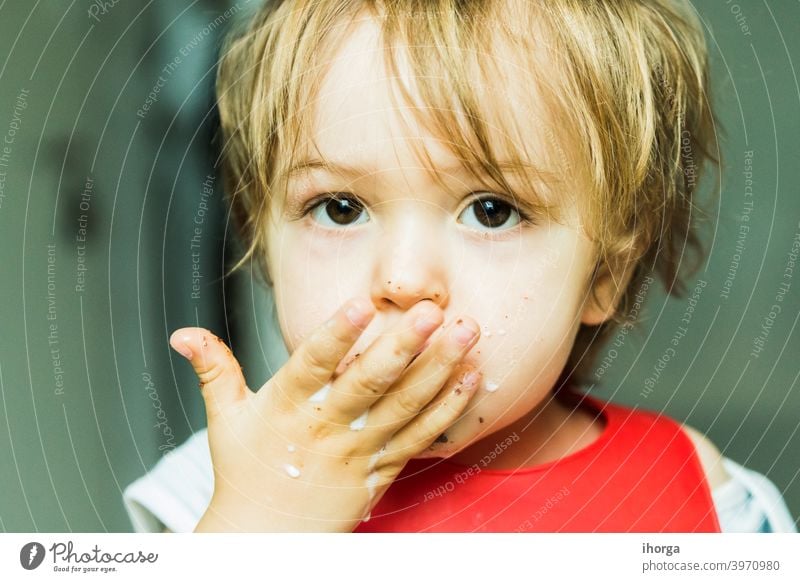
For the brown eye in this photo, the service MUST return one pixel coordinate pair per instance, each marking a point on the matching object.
(491, 212)
(340, 210)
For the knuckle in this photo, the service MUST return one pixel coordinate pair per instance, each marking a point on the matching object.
(363, 384)
(406, 404)
(331, 349)
(448, 410)
(404, 349)
(210, 374)
(429, 427)
(382, 372)
(346, 451)
(394, 365)
(330, 340)
(446, 359)
(315, 363)
(321, 430)
(334, 336)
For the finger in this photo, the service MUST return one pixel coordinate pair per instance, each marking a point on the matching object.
(442, 413)
(424, 378)
(380, 366)
(313, 363)
(221, 380)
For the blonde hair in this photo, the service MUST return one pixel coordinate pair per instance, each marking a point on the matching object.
(627, 81)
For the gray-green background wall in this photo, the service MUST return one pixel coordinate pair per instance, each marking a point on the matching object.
(109, 125)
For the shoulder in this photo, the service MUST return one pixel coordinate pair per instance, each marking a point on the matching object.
(710, 457)
(750, 503)
(746, 501)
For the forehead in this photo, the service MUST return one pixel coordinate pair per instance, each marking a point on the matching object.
(355, 116)
(359, 117)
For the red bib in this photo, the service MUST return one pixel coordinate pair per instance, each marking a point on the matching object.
(641, 475)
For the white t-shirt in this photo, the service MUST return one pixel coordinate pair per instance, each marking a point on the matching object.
(176, 493)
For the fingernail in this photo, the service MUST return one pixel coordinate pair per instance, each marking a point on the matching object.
(183, 350)
(471, 379)
(358, 313)
(462, 333)
(425, 325)
(467, 383)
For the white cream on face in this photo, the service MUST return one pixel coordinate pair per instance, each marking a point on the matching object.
(291, 470)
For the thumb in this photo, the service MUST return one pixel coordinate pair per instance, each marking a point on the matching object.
(221, 379)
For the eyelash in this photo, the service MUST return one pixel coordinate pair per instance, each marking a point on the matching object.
(525, 219)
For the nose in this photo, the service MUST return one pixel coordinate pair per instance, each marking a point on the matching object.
(410, 267)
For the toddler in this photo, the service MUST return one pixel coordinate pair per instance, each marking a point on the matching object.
(371, 149)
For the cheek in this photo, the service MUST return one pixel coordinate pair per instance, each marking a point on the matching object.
(528, 327)
(300, 305)
(309, 285)
(298, 322)
(528, 317)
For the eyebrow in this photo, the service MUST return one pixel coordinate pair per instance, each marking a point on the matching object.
(305, 166)
(311, 164)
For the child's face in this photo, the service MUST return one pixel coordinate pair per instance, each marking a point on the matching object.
(524, 284)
